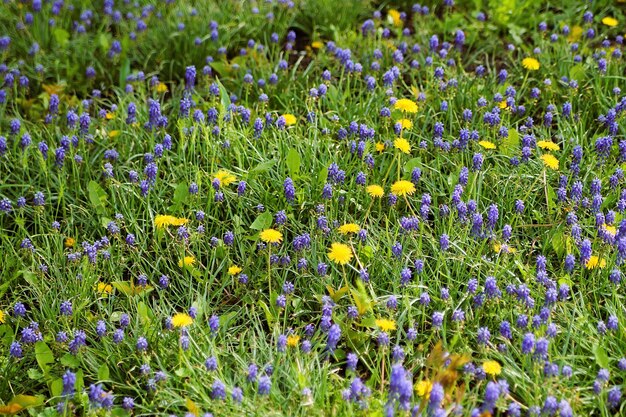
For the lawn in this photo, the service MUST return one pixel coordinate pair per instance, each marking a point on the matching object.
(312, 208)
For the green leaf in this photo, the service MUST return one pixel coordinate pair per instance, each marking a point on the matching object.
(602, 359)
(577, 72)
(35, 374)
(510, 144)
(124, 71)
(268, 314)
(103, 372)
(144, 313)
(262, 167)
(180, 195)
(412, 163)
(44, 356)
(293, 162)
(62, 36)
(263, 221)
(56, 387)
(103, 41)
(70, 361)
(98, 197)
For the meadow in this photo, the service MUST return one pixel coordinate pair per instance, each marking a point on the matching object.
(312, 208)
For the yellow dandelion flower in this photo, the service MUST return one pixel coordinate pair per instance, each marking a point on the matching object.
(234, 270)
(530, 64)
(181, 320)
(292, 340)
(487, 145)
(348, 228)
(317, 44)
(595, 262)
(406, 123)
(340, 253)
(114, 133)
(386, 325)
(402, 188)
(492, 368)
(164, 220)
(161, 88)
(103, 288)
(503, 104)
(406, 105)
(187, 261)
(575, 34)
(423, 388)
(402, 145)
(109, 115)
(69, 242)
(225, 177)
(375, 191)
(271, 236)
(2, 315)
(380, 146)
(290, 119)
(550, 161)
(610, 229)
(395, 17)
(503, 248)
(549, 145)
(609, 21)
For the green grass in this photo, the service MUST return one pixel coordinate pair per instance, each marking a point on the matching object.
(86, 202)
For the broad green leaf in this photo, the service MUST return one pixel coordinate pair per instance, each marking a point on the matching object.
(180, 195)
(263, 221)
(70, 361)
(103, 372)
(98, 197)
(262, 167)
(56, 387)
(602, 359)
(62, 36)
(43, 355)
(293, 162)
(510, 144)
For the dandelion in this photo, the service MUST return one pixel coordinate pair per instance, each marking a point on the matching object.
(2, 317)
(550, 161)
(271, 236)
(161, 221)
(423, 388)
(348, 228)
(492, 368)
(405, 123)
(609, 21)
(293, 340)
(375, 191)
(394, 15)
(530, 64)
(225, 178)
(595, 262)
(234, 270)
(487, 145)
(340, 253)
(103, 288)
(181, 320)
(402, 145)
(380, 146)
(549, 145)
(386, 325)
(187, 261)
(405, 105)
(403, 188)
(290, 119)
